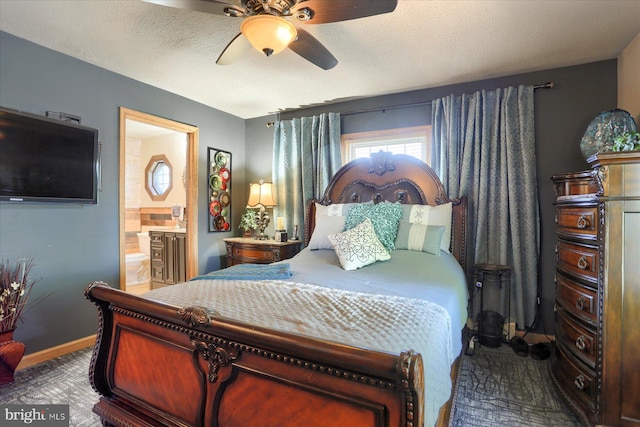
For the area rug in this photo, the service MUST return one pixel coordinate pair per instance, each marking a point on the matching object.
(64, 380)
(496, 387)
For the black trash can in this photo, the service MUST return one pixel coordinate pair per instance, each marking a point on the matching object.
(491, 325)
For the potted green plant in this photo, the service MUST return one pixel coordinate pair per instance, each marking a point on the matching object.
(15, 287)
(248, 221)
(628, 141)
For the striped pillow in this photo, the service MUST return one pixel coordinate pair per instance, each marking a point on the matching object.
(419, 237)
(431, 215)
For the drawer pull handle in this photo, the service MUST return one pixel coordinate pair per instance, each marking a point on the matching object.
(580, 303)
(583, 222)
(583, 263)
(581, 343)
(579, 382)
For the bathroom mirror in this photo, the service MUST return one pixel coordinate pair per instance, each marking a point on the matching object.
(158, 182)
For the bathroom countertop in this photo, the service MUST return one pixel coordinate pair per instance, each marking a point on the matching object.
(169, 229)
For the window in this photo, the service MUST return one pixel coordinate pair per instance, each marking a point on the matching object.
(160, 177)
(158, 182)
(414, 141)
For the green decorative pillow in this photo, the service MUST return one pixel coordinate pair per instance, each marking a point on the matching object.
(384, 216)
(358, 246)
(419, 237)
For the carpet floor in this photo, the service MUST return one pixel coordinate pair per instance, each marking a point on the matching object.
(495, 388)
(64, 380)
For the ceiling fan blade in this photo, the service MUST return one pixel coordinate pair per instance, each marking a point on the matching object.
(312, 50)
(208, 6)
(325, 11)
(234, 50)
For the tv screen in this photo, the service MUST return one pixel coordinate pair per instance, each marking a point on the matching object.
(47, 160)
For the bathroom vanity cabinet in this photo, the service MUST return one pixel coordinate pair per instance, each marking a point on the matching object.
(168, 257)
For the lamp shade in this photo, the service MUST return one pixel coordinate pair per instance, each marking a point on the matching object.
(267, 33)
(261, 194)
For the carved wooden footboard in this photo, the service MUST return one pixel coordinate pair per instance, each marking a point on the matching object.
(156, 364)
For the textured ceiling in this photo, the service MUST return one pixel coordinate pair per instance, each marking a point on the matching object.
(421, 44)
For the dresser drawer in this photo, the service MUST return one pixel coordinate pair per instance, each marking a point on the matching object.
(578, 221)
(157, 272)
(241, 250)
(577, 338)
(157, 254)
(574, 184)
(578, 260)
(579, 300)
(257, 255)
(577, 381)
(157, 238)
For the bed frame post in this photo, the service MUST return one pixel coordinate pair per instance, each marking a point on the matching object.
(98, 362)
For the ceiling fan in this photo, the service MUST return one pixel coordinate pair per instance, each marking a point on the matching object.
(266, 24)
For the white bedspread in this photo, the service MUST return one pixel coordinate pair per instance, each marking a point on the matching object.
(379, 322)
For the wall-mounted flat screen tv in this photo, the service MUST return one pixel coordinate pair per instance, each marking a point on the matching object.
(47, 160)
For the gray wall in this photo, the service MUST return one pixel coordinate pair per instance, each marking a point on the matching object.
(74, 245)
(562, 115)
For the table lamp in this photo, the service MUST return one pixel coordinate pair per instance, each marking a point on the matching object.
(261, 196)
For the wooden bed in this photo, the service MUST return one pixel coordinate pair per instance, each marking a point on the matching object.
(221, 372)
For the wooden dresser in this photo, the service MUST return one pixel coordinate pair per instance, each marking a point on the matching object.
(242, 250)
(596, 359)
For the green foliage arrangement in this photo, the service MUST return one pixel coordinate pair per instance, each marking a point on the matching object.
(628, 141)
(248, 220)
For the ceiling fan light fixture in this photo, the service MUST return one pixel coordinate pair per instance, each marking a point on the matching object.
(268, 33)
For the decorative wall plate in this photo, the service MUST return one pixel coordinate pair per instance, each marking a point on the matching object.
(604, 129)
(221, 158)
(219, 202)
(224, 198)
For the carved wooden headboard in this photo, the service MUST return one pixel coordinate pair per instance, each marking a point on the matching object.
(395, 178)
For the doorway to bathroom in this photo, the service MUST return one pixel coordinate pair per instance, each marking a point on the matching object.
(158, 197)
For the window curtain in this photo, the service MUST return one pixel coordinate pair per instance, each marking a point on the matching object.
(483, 147)
(306, 155)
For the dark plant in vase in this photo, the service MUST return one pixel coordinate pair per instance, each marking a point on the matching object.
(15, 288)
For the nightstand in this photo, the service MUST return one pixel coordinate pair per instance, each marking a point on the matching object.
(243, 250)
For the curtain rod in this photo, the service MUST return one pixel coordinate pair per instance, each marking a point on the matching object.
(547, 85)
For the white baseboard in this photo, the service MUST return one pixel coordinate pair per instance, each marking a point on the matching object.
(57, 351)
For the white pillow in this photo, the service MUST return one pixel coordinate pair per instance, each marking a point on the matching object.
(431, 215)
(336, 209)
(358, 246)
(325, 225)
